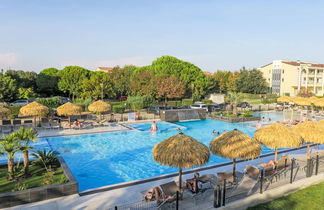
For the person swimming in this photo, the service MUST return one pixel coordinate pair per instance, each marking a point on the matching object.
(154, 127)
(258, 125)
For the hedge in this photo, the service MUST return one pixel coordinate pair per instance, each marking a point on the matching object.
(187, 102)
(118, 109)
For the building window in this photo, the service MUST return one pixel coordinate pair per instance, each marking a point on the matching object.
(282, 79)
(283, 71)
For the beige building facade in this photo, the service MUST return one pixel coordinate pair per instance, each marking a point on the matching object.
(291, 77)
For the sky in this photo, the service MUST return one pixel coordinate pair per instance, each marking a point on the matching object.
(212, 34)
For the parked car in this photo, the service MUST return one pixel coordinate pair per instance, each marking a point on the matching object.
(20, 102)
(223, 106)
(213, 108)
(122, 98)
(243, 105)
(199, 106)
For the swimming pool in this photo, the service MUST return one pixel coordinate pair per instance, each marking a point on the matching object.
(109, 158)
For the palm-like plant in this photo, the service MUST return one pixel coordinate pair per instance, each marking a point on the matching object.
(235, 99)
(48, 159)
(25, 136)
(10, 146)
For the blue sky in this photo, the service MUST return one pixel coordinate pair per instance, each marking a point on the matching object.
(213, 34)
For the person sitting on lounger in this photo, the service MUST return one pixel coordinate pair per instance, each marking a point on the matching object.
(77, 124)
(192, 184)
(269, 164)
(156, 194)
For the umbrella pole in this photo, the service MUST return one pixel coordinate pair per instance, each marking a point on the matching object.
(180, 179)
(234, 169)
(308, 151)
(276, 155)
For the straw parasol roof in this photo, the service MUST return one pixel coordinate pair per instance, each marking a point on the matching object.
(319, 102)
(277, 136)
(99, 107)
(312, 99)
(33, 109)
(68, 109)
(284, 99)
(302, 101)
(4, 112)
(311, 132)
(235, 144)
(181, 151)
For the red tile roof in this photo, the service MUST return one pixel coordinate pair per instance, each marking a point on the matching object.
(208, 73)
(295, 63)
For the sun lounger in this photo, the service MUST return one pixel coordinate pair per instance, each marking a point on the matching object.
(228, 176)
(169, 190)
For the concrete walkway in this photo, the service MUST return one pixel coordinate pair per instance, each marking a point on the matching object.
(132, 194)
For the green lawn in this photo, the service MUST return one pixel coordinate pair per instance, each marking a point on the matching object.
(310, 198)
(35, 180)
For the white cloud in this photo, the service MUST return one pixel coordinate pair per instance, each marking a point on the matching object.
(7, 59)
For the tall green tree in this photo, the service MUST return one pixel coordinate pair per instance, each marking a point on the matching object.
(190, 75)
(71, 79)
(235, 99)
(251, 81)
(169, 87)
(9, 146)
(222, 77)
(47, 82)
(121, 78)
(143, 83)
(98, 85)
(25, 136)
(26, 93)
(8, 88)
(24, 79)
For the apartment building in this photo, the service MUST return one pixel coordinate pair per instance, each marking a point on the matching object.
(290, 77)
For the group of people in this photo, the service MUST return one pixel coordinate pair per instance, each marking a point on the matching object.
(75, 124)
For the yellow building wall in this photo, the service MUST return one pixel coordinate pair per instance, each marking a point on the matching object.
(289, 79)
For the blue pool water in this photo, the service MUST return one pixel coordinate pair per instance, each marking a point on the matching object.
(109, 158)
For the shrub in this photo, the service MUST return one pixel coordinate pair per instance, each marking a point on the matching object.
(118, 109)
(187, 102)
(268, 100)
(14, 111)
(174, 103)
(20, 186)
(140, 102)
(83, 103)
(207, 101)
(51, 103)
(46, 159)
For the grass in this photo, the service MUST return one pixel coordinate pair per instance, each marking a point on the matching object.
(35, 180)
(310, 198)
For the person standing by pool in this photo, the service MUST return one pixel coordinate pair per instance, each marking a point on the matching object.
(258, 125)
(154, 127)
(314, 119)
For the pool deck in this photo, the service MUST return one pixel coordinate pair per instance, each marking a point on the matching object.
(132, 194)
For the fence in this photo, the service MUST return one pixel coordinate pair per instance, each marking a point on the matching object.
(254, 180)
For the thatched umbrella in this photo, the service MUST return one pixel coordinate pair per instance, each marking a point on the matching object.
(235, 144)
(34, 109)
(4, 112)
(181, 151)
(68, 109)
(311, 132)
(302, 101)
(319, 103)
(284, 99)
(277, 136)
(99, 107)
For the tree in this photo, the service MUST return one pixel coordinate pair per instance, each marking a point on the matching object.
(121, 78)
(47, 82)
(192, 77)
(231, 83)
(143, 83)
(9, 146)
(235, 99)
(98, 85)
(251, 81)
(25, 136)
(169, 87)
(71, 79)
(8, 88)
(26, 93)
(222, 78)
(24, 79)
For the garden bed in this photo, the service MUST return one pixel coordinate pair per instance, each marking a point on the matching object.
(233, 119)
(33, 188)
